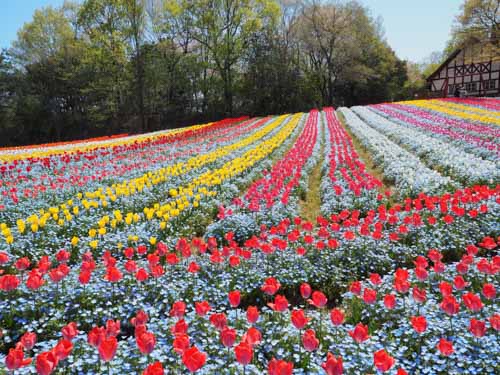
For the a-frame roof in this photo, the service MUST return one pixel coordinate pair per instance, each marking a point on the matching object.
(445, 62)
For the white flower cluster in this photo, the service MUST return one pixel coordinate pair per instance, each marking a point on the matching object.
(407, 171)
(439, 155)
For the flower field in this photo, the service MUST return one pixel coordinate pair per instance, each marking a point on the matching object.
(187, 251)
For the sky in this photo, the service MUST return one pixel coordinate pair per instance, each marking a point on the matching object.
(414, 29)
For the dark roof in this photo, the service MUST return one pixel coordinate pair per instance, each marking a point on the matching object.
(445, 62)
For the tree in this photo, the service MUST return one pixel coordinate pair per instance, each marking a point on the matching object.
(224, 28)
(479, 20)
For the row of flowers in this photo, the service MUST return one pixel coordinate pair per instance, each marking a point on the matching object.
(454, 162)
(461, 111)
(483, 146)
(275, 196)
(79, 215)
(406, 171)
(345, 182)
(34, 180)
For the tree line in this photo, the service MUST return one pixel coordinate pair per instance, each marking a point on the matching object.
(101, 67)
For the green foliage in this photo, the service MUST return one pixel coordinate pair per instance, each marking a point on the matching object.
(99, 67)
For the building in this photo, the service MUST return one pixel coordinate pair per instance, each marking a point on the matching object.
(473, 70)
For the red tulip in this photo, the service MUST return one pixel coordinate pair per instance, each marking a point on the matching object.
(28, 340)
(140, 318)
(369, 296)
(178, 309)
(305, 290)
(271, 286)
(477, 327)
(218, 320)
(450, 305)
(146, 342)
(337, 317)
(279, 367)
(96, 335)
(154, 369)
(193, 359)
(359, 333)
(22, 264)
(280, 303)
(318, 299)
(252, 337)
(489, 291)
(375, 279)
(419, 295)
(179, 328)
(69, 331)
(15, 359)
(445, 347)
(421, 273)
(390, 301)
(333, 365)
(113, 274)
(495, 322)
(193, 267)
(252, 314)
(434, 255)
(228, 337)
(4, 257)
(84, 277)
(401, 285)
(355, 288)
(234, 298)
(112, 327)
(419, 323)
(35, 279)
(181, 343)
(62, 256)
(488, 243)
(244, 353)
(9, 282)
(141, 275)
(202, 308)
(299, 319)
(46, 362)
(382, 360)
(445, 288)
(107, 348)
(63, 349)
(309, 340)
(472, 301)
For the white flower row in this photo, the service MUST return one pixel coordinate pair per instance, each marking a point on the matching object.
(440, 155)
(407, 171)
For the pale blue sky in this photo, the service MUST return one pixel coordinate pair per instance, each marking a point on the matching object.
(414, 29)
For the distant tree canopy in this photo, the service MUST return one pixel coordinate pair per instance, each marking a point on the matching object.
(101, 67)
(479, 20)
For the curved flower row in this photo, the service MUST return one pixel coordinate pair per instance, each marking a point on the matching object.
(36, 180)
(408, 173)
(457, 110)
(479, 146)
(459, 165)
(106, 198)
(267, 200)
(347, 184)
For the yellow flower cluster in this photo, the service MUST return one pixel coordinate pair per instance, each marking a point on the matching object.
(184, 197)
(457, 110)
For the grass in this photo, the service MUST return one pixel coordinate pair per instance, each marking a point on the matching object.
(310, 201)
